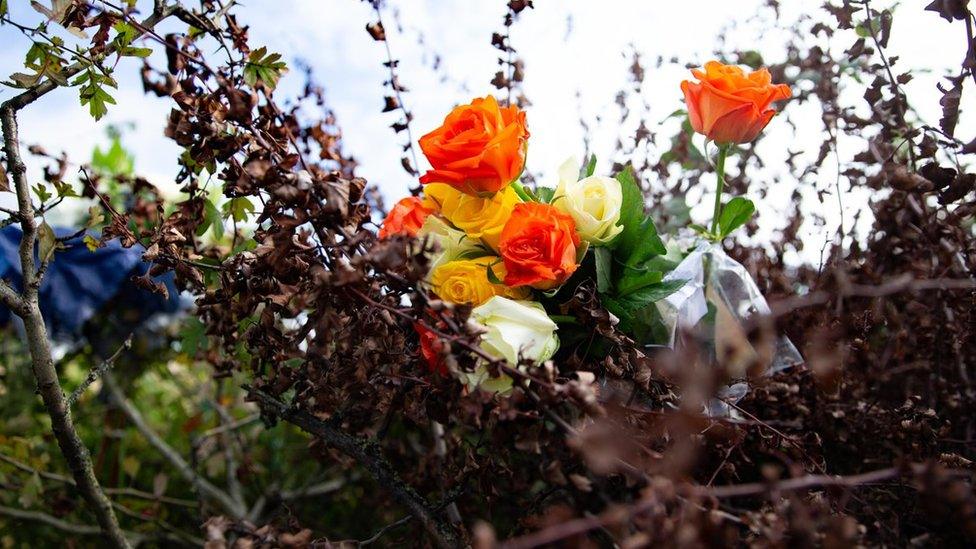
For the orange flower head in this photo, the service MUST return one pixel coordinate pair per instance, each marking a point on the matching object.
(479, 149)
(406, 217)
(538, 245)
(729, 106)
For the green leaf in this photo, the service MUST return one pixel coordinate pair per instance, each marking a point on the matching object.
(42, 193)
(126, 34)
(64, 190)
(193, 337)
(30, 491)
(639, 299)
(735, 214)
(214, 220)
(648, 244)
(492, 277)
(631, 210)
(238, 208)
(136, 52)
(264, 67)
(604, 264)
(92, 92)
(114, 161)
(590, 166)
(91, 243)
(545, 194)
(632, 282)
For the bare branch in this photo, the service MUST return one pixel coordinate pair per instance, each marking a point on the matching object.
(202, 485)
(36, 516)
(130, 492)
(368, 455)
(95, 373)
(42, 362)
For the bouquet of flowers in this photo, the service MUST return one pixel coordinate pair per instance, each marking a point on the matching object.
(515, 254)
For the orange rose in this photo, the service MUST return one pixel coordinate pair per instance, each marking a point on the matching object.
(730, 106)
(538, 245)
(479, 149)
(406, 217)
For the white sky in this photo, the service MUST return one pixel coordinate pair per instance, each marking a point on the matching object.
(330, 35)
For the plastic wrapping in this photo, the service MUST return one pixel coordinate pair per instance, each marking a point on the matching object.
(717, 300)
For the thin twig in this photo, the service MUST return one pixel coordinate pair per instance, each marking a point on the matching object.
(204, 486)
(379, 533)
(395, 84)
(39, 345)
(97, 372)
(368, 456)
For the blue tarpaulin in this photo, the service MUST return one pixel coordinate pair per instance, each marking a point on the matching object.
(80, 282)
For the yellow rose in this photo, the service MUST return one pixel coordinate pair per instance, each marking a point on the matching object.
(465, 281)
(479, 217)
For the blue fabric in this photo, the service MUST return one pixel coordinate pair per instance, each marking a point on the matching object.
(79, 281)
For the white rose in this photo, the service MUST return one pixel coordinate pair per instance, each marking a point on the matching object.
(593, 202)
(513, 329)
(451, 243)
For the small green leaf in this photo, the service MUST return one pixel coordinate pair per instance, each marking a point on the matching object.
(735, 214)
(64, 190)
(114, 161)
(238, 209)
(214, 220)
(42, 193)
(91, 243)
(545, 194)
(92, 92)
(604, 264)
(264, 67)
(492, 277)
(193, 337)
(136, 52)
(590, 166)
(30, 491)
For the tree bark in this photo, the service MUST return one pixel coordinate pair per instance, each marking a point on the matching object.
(48, 385)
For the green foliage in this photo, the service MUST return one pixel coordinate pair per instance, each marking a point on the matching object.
(44, 61)
(42, 193)
(238, 209)
(630, 272)
(92, 91)
(264, 67)
(212, 220)
(545, 194)
(604, 269)
(115, 160)
(589, 168)
(735, 214)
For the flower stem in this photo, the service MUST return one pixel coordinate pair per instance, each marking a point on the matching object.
(723, 151)
(521, 191)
